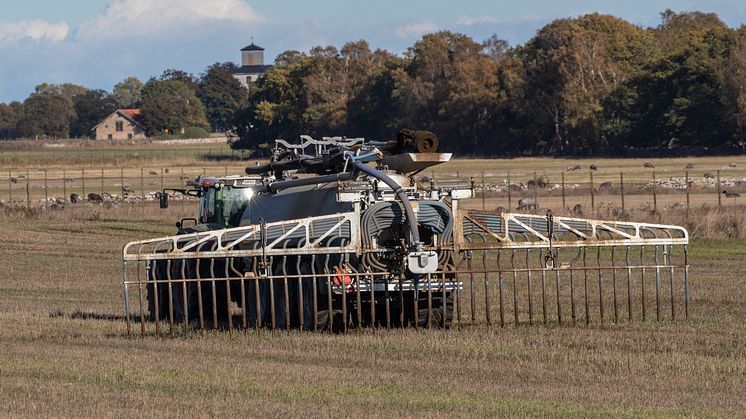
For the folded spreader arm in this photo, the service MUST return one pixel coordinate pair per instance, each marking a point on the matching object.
(496, 269)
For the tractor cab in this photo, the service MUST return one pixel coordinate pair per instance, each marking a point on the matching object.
(222, 201)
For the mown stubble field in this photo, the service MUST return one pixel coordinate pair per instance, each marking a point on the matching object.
(65, 351)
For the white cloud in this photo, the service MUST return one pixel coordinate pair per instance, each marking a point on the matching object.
(416, 28)
(470, 21)
(125, 18)
(33, 29)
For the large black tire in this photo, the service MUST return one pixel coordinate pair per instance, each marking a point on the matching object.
(442, 313)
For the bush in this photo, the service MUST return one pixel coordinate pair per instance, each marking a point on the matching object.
(196, 132)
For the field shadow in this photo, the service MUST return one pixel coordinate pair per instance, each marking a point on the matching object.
(77, 314)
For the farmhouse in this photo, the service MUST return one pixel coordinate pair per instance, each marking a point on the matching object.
(122, 124)
(252, 65)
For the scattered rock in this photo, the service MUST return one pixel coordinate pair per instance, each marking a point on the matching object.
(577, 209)
(732, 164)
(606, 185)
(153, 173)
(74, 198)
(594, 167)
(573, 168)
(649, 165)
(689, 166)
(501, 210)
(709, 175)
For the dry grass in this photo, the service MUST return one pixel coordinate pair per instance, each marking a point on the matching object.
(65, 352)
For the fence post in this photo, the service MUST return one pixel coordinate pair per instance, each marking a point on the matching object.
(484, 191)
(28, 190)
(621, 188)
(226, 172)
(536, 192)
(593, 196)
(64, 185)
(687, 194)
(121, 181)
(655, 197)
(720, 204)
(82, 179)
(161, 178)
(46, 190)
(510, 193)
(564, 205)
(102, 182)
(10, 188)
(142, 188)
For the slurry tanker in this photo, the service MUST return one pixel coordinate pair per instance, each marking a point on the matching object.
(339, 233)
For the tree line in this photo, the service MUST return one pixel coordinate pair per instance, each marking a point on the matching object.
(587, 85)
(170, 103)
(595, 84)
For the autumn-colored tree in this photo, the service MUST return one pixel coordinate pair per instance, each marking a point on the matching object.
(736, 75)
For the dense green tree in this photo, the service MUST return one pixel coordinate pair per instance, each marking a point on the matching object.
(127, 92)
(9, 116)
(170, 106)
(222, 96)
(736, 78)
(46, 115)
(90, 107)
(65, 90)
(188, 79)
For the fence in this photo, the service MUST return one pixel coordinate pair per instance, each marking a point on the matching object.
(615, 193)
(44, 186)
(599, 192)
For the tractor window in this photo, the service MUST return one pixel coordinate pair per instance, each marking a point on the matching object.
(207, 206)
(234, 204)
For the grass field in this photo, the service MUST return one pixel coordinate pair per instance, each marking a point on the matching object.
(65, 351)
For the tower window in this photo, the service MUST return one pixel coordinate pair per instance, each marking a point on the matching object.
(120, 126)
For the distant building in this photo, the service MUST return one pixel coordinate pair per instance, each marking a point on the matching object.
(122, 124)
(252, 65)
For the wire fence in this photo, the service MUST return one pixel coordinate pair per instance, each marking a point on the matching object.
(616, 193)
(613, 192)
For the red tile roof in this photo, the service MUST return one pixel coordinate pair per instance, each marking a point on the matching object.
(131, 113)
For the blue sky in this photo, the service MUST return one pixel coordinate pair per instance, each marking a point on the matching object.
(100, 42)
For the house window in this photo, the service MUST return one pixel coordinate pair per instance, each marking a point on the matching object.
(129, 136)
(110, 137)
(120, 126)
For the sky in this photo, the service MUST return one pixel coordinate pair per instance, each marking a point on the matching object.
(98, 43)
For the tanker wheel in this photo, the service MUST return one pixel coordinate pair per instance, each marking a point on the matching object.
(158, 269)
(442, 314)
